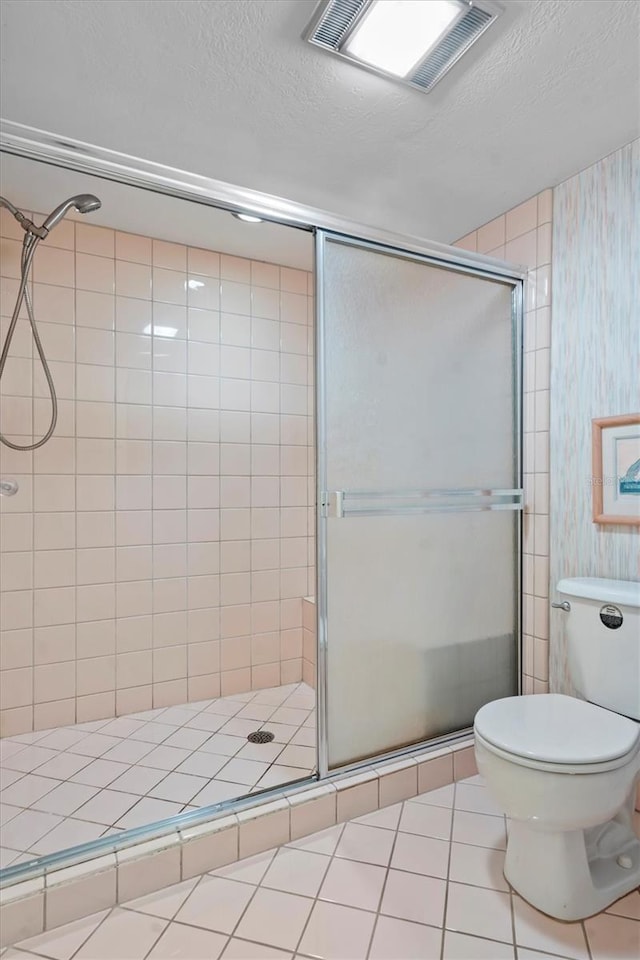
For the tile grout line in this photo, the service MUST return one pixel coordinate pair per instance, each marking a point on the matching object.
(446, 891)
(512, 909)
(386, 878)
(315, 899)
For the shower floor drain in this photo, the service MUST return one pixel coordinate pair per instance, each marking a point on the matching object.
(261, 736)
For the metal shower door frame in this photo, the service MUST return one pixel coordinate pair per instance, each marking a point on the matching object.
(511, 499)
(45, 147)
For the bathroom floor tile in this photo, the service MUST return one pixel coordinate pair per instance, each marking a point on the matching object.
(238, 949)
(421, 855)
(364, 890)
(165, 903)
(61, 944)
(628, 906)
(250, 870)
(180, 787)
(25, 792)
(325, 841)
(540, 932)
(483, 913)
(410, 896)
(296, 871)
(275, 918)
(387, 818)
(123, 934)
(99, 773)
(335, 932)
(138, 780)
(216, 904)
(181, 942)
(479, 829)
(107, 807)
(353, 883)
(475, 799)
(480, 866)
(426, 820)
(69, 833)
(65, 799)
(369, 844)
(611, 936)
(27, 828)
(401, 938)
(148, 810)
(460, 946)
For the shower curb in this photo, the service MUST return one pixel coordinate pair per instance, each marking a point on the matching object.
(71, 893)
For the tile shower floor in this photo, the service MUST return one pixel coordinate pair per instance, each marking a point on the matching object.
(73, 784)
(421, 880)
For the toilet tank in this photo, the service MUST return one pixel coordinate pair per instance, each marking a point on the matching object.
(602, 629)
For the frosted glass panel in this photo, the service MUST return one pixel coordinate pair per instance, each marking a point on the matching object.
(419, 380)
(418, 395)
(421, 626)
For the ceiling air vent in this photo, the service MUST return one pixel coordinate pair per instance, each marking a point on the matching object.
(413, 41)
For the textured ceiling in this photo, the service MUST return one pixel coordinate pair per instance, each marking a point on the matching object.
(226, 88)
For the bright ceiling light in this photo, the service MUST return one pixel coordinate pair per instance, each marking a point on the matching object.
(247, 218)
(411, 41)
(394, 35)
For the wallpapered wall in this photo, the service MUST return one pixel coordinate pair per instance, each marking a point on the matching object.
(595, 365)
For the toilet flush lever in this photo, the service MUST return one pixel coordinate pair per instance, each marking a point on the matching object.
(564, 605)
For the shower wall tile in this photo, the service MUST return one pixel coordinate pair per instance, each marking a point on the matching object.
(596, 349)
(523, 235)
(160, 545)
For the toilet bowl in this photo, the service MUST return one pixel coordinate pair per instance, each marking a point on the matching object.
(565, 772)
(565, 768)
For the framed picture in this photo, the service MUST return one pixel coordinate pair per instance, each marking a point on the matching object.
(616, 469)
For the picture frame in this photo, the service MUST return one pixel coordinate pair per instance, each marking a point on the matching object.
(616, 469)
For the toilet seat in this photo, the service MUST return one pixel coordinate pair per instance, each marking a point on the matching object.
(559, 733)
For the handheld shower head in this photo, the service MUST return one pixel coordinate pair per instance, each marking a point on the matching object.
(83, 203)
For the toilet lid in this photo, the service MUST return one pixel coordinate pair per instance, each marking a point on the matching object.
(556, 729)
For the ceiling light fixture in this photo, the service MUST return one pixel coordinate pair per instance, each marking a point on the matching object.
(247, 218)
(414, 41)
(393, 35)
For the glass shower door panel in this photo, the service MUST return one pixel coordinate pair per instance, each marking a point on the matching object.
(418, 468)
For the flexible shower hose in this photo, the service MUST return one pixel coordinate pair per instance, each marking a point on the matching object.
(29, 245)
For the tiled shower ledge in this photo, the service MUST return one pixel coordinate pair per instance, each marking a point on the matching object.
(420, 880)
(74, 892)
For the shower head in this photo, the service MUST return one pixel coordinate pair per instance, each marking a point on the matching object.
(83, 203)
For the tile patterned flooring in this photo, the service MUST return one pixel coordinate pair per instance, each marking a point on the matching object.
(421, 880)
(67, 786)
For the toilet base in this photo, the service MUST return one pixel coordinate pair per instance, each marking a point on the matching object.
(574, 874)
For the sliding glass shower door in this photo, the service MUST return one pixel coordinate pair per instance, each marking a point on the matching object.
(419, 496)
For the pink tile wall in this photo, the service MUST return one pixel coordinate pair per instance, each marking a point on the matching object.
(523, 235)
(161, 543)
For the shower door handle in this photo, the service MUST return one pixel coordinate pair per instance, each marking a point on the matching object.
(339, 504)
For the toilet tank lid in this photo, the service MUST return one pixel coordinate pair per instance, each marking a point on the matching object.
(624, 592)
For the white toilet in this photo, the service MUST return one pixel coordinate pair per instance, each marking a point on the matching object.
(565, 770)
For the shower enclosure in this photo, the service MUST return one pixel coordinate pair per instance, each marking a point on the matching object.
(160, 546)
